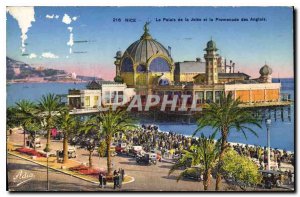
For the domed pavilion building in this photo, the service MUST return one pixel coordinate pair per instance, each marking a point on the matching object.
(146, 67)
(143, 62)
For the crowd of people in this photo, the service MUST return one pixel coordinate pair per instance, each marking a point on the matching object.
(151, 138)
(261, 154)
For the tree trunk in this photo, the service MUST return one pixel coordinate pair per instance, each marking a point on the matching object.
(109, 167)
(206, 179)
(90, 159)
(47, 149)
(65, 148)
(223, 147)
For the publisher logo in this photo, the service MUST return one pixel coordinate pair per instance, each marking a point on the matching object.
(21, 177)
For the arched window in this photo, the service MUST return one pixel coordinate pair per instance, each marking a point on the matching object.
(127, 65)
(159, 65)
(141, 68)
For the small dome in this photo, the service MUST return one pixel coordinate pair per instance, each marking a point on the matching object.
(265, 70)
(119, 54)
(211, 45)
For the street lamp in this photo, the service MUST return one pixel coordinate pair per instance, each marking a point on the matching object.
(47, 155)
(268, 124)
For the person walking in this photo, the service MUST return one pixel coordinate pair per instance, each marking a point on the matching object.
(120, 178)
(100, 180)
(115, 177)
(104, 180)
(123, 174)
(290, 177)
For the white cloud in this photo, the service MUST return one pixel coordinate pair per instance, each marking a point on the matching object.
(50, 16)
(74, 18)
(24, 17)
(70, 50)
(66, 19)
(70, 29)
(49, 55)
(32, 56)
(71, 41)
(67, 56)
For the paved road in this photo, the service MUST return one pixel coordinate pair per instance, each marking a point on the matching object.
(147, 178)
(32, 177)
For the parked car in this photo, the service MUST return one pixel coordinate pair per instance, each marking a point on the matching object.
(121, 147)
(193, 173)
(71, 153)
(135, 150)
(269, 178)
(147, 158)
(32, 143)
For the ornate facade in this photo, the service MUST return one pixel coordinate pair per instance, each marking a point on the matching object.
(146, 67)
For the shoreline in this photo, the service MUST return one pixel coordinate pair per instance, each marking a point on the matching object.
(231, 143)
(43, 82)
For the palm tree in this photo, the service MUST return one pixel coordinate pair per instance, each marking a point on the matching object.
(223, 117)
(209, 153)
(89, 137)
(49, 106)
(11, 120)
(199, 159)
(108, 123)
(25, 113)
(33, 127)
(67, 123)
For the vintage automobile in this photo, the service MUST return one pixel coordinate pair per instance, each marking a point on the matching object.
(31, 143)
(134, 150)
(71, 153)
(193, 173)
(270, 178)
(147, 158)
(121, 148)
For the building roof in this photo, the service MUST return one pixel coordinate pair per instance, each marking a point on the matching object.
(232, 75)
(250, 81)
(97, 85)
(144, 48)
(189, 67)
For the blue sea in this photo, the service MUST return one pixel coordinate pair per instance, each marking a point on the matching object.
(282, 132)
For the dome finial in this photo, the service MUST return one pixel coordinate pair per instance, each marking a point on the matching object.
(146, 34)
(146, 28)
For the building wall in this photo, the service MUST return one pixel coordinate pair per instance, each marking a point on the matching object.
(128, 78)
(185, 77)
(258, 95)
(262, 92)
(90, 98)
(243, 95)
(200, 78)
(229, 79)
(273, 94)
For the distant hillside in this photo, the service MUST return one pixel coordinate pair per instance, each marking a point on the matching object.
(21, 70)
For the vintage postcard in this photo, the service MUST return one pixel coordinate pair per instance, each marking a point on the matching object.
(150, 99)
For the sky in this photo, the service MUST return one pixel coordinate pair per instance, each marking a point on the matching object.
(47, 35)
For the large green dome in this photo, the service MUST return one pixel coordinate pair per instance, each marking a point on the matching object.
(141, 50)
